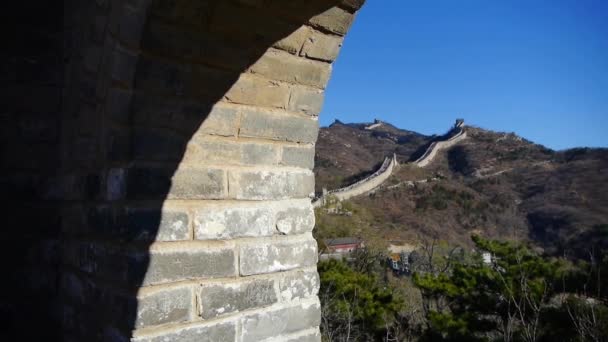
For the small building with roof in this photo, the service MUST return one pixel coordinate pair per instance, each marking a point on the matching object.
(343, 244)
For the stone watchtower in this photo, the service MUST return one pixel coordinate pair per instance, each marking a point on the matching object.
(157, 168)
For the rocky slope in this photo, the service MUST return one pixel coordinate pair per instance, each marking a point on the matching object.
(495, 184)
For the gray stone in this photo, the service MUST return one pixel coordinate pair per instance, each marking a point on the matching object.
(334, 19)
(201, 152)
(166, 306)
(197, 184)
(353, 4)
(299, 285)
(294, 42)
(296, 220)
(306, 100)
(272, 257)
(263, 124)
(269, 185)
(171, 266)
(274, 323)
(322, 46)
(282, 66)
(225, 298)
(252, 90)
(303, 157)
(234, 221)
(157, 225)
(161, 183)
(260, 154)
(225, 331)
(220, 121)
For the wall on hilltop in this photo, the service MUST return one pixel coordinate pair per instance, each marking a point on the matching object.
(437, 146)
(363, 186)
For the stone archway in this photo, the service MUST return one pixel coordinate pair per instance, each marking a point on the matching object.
(186, 145)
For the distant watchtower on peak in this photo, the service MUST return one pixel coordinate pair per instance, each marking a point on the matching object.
(459, 123)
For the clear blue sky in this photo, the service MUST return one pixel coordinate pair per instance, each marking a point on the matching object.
(538, 68)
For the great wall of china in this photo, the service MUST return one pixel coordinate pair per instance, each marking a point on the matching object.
(437, 146)
(376, 179)
(365, 185)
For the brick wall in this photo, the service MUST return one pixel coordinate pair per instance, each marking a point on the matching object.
(187, 134)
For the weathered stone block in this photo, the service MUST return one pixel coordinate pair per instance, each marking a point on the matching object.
(353, 4)
(269, 185)
(153, 183)
(303, 157)
(322, 46)
(260, 154)
(245, 220)
(274, 323)
(220, 121)
(165, 306)
(252, 90)
(334, 19)
(278, 256)
(197, 184)
(224, 331)
(299, 285)
(306, 100)
(262, 124)
(294, 42)
(296, 219)
(170, 266)
(282, 66)
(149, 224)
(203, 152)
(220, 299)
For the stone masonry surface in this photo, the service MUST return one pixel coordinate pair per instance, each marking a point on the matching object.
(174, 184)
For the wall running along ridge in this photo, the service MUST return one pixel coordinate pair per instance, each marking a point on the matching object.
(437, 146)
(166, 193)
(386, 170)
(363, 186)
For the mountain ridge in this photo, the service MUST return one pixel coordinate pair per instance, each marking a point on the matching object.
(494, 183)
